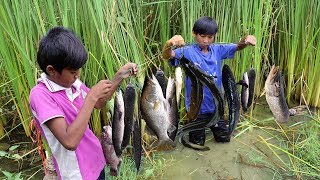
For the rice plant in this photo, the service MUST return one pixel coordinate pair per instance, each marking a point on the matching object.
(117, 32)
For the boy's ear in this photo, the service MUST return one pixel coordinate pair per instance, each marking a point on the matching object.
(50, 70)
(193, 34)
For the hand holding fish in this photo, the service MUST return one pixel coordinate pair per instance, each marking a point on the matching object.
(175, 41)
(128, 70)
(249, 40)
(100, 90)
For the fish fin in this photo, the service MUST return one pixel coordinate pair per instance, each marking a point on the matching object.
(292, 112)
(113, 172)
(164, 145)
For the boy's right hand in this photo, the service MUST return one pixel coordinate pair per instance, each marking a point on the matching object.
(176, 41)
(101, 90)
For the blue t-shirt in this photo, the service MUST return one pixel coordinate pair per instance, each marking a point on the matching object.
(209, 63)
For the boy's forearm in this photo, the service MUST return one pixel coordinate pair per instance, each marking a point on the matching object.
(241, 44)
(166, 51)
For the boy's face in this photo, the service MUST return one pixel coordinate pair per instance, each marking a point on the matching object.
(204, 40)
(66, 78)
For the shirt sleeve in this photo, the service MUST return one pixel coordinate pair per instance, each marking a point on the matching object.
(178, 55)
(43, 106)
(227, 51)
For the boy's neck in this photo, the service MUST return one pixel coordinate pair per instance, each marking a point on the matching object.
(205, 50)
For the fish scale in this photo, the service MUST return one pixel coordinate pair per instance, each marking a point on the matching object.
(118, 123)
(154, 109)
(275, 95)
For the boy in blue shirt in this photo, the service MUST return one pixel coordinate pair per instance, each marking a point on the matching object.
(208, 56)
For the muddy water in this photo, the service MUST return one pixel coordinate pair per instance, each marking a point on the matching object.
(246, 157)
(223, 161)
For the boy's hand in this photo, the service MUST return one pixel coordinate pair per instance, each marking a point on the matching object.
(250, 40)
(101, 90)
(128, 69)
(176, 41)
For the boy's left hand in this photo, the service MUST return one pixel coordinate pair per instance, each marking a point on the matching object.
(250, 40)
(128, 69)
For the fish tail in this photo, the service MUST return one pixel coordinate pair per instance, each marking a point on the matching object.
(164, 145)
(113, 172)
(193, 146)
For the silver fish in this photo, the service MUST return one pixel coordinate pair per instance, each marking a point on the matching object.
(173, 107)
(112, 159)
(179, 81)
(275, 95)
(118, 123)
(252, 79)
(154, 109)
(245, 92)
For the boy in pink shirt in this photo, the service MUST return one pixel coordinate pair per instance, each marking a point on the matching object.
(62, 105)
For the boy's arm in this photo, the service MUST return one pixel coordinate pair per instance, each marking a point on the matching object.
(249, 40)
(176, 41)
(125, 71)
(70, 135)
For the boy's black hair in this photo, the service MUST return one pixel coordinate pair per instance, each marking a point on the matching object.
(205, 25)
(62, 49)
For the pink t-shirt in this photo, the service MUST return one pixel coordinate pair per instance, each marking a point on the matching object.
(49, 100)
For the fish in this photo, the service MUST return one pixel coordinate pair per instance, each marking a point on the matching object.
(232, 95)
(252, 79)
(118, 122)
(209, 82)
(196, 96)
(162, 80)
(173, 113)
(245, 91)
(154, 109)
(129, 99)
(275, 95)
(179, 82)
(137, 146)
(112, 159)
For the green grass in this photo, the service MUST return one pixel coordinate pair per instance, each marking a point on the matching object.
(117, 32)
(293, 150)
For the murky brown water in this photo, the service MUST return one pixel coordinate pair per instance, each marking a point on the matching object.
(246, 157)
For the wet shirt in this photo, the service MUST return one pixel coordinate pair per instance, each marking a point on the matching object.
(209, 63)
(48, 100)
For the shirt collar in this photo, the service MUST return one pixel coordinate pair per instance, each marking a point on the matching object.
(54, 87)
(196, 46)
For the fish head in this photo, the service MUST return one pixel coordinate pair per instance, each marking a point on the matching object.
(245, 78)
(273, 84)
(274, 75)
(171, 88)
(153, 89)
(159, 73)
